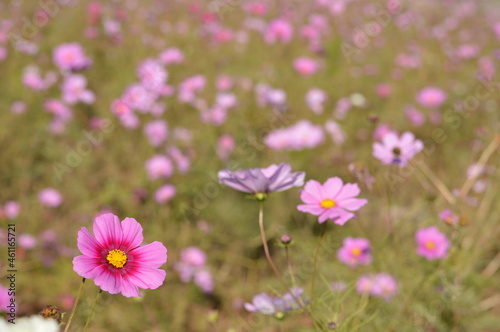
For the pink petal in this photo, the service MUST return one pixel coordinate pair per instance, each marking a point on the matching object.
(343, 217)
(129, 289)
(151, 255)
(84, 266)
(108, 281)
(308, 198)
(353, 204)
(87, 244)
(108, 230)
(312, 209)
(132, 233)
(348, 191)
(332, 187)
(314, 188)
(145, 277)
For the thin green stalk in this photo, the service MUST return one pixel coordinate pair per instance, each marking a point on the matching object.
(73, 310)
(316, 251)
(92, 311)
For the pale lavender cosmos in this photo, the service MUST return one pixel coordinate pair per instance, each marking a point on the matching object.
(431, 243)
(355, 251)
(305, 66)
(74, 89)
(70, 56)
(159, 166)
(156, 132)
(260, 181)
(449, 217)
(278, 30)
(397, 150)
(302, 135)
(27, 241)
(315, 99)
(191, 267)
(331, 200)
(11, 209)
(431, 97)
(267, 305)
(50, 197)
(171, 56)
(164, 194)
(380, 285)
(226, 100)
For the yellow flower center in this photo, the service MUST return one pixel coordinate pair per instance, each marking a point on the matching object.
(328, 203)
(356, 252)
(117, 258)
(430, 245)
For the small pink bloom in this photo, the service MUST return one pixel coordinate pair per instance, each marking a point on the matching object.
(355, 251)
(74, 89)
(164, 194)
(416, 117)
(11, 209)
(27, 241)
(315, 99)
(379, 285)
(120, 108)
(331, 200)
(305, 66)
(152, 74)
(156, 132)
(225, 145)
(397, 150)
(70, 56)
(50, 197)
(193, 256)
(278, 30)
(384, 90)
(172, 56)
(448, 217)
(159, 167)
(115, 259)
(5, 299)
(431, 97)
(18, 107)
(432, 244)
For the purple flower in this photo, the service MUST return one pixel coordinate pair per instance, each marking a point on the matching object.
(262, 180)
(261, 303)
(267, 305)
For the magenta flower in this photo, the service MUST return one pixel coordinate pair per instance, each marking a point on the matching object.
(164, 194)
(70, 56)
(355, 251)
(262, 180)
(171, 56)
(431, 97)
(11, 209)
(156, 132)
(278, 30)
(331, 200)
(115, 259)
(380, 285)
(50, 197)
(5, 299)
(305, 66)
(432, 244)
(397, 150)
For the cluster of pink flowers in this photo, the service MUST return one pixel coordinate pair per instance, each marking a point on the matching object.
(302, 135)
(192, 267)
(380, 285)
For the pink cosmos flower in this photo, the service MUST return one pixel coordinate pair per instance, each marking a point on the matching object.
(18, 107)
(379, 285)
(225, 145)
(50, 197)
(274, 178)
(27, 241)
(278, 30)
(315, 98)
(397, 150)
(192, 267)
(305, 66)
(432, 244)
(11, 209)
(431, 97)
(355, 251)
(74, 89)
(115, 259)
(159, 167)
(156, 132)
(336, 132)
(70, 57)
(120, 108)
(416, 117)
(4, 299)
(171, 56)
(152, 74)
(331, 200)
(300, 136)
(164, 194)
(448, 217)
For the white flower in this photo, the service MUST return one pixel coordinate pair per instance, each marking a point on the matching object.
(30, 324)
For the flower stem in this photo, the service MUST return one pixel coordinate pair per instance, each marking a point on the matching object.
(92, 311)
(73, 310)
(323, 231)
